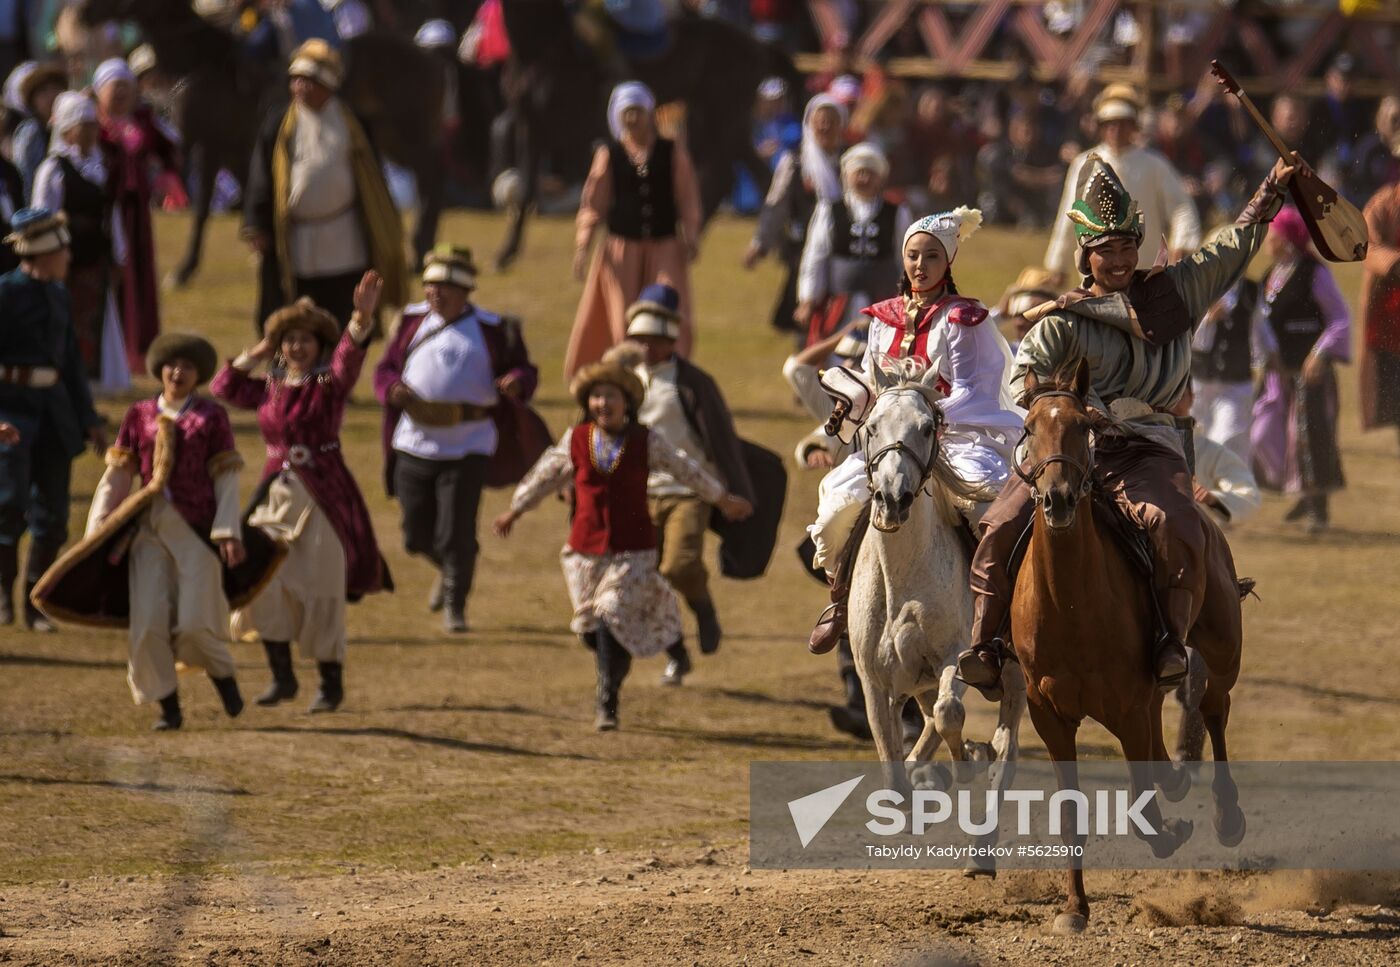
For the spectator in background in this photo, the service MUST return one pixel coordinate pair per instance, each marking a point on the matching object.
(776, 131)
(75, 179)
(1177, 140)
(281, 26)
(1228, 343)
(1224, 485)
(31, 142)
(352, 17)
(1289, 115)
(1017, 176)
(1294, 436)
(136, 145)
(1148, 177)
(1376, 162)
(1340, 120)
(14, 35)
(773, 20)
(1031, 288)
(801, 179)
(941, 139)
(1380, 310)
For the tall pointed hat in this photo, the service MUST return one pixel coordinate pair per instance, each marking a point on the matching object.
(1102, 207)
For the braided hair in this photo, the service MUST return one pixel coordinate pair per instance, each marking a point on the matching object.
(907, 289)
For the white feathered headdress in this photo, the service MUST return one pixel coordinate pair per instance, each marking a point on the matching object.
(950, 228)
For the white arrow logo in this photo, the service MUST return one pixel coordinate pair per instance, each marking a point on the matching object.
(812, 812)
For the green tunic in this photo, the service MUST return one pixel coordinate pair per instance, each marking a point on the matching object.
(1101, 329)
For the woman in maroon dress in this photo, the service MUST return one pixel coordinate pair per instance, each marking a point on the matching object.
(137, 143)
(308, 497)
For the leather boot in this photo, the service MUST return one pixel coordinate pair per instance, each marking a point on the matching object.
(1318, 519)
(229, 695)
(332, 690)
(41, 556)
(435, 596)
(9, 571)
(980, 665)
(454, 607)
(170, 717)
(831, 626)
(1169, 651)
(614, 661)
(284, 677)
(679, 665)
(707, 622)
(1299, 510)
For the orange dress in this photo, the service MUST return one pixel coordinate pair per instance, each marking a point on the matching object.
(622, 266)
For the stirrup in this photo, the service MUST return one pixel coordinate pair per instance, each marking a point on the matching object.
(829, 629)
(976, 671)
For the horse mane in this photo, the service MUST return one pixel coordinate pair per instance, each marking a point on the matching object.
(1059, 381)
(908, 374)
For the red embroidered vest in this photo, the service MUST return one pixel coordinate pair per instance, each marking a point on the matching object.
(610, 509)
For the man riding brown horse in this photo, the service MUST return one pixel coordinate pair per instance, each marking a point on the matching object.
(1134, 328)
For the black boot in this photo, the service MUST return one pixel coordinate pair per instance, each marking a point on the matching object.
(170, 717)
(9, 571)
(41, 556)
(614, 661)
(284, 677)
(229, 695)
(709, 629)
(851, 717)
(1318, 518)
(1300, 510)
(435, 596)
(1169, 651)
(980, 665)
(454, 607)
(679, 665)
(332, 690)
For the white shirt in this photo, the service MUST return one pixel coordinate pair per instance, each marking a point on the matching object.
(661, 410)
(813, 280)
(325, 237)
(1229, 480)
(1157, 188)
(451, 365)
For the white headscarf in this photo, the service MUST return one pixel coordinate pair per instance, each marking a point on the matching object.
(950, 228)
(13, 100)
(70, 109)
(865, 155)
(110, 70)
(436, 33)
(625, 95)
(816, 162)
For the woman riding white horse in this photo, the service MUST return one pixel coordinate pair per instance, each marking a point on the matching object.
(929, 321)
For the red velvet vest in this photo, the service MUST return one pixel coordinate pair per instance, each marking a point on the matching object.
(610, 509)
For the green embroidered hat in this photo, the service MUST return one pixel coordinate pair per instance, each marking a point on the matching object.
(1102, 207)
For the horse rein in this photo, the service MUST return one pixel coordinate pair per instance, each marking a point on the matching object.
(1085, 468)
(899, 446)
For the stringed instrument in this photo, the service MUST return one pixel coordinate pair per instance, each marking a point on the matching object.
(1337, 228)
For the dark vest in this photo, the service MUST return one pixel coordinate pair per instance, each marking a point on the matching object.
(867, 241)
(644, 196)
(1295, 316)
(88, 208)
(801, 203)
(610, 509)
(1228, 358)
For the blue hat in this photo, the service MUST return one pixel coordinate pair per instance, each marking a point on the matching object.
(37, 231)
(657, 312)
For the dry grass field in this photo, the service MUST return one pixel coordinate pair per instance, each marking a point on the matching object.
(460, 808)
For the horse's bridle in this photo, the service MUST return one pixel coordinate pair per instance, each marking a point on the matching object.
(1086, 468)
(899, 446)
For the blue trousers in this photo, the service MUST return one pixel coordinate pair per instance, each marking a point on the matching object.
(34, 478)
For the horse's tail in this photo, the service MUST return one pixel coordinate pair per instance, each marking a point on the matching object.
(1246, 588)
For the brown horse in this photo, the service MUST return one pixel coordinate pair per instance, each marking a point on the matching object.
(222, 97)
(1081, 622)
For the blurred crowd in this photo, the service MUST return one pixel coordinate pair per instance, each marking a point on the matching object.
(1009, 144)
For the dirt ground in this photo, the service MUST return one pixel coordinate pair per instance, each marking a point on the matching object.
(460, 809)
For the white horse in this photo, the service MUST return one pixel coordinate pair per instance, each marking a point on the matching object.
(910, 604)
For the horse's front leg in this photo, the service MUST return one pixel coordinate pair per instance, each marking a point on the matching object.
(949, 715)
(1058, 735)
(206, 168)
(1137, 737)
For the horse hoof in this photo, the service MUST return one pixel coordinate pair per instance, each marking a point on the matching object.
(1070, 924)
(175, 281)
(963, 771)
(977, 867)
(1229, 828)
(931, 777)
(1174, 833)
(1174, 781)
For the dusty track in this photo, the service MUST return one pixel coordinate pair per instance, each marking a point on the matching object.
(451, 812)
